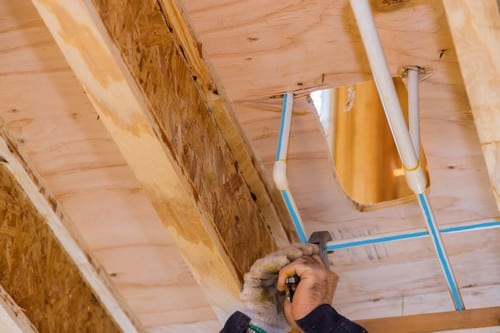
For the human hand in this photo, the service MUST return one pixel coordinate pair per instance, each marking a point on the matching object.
(316, 286)
(262, 300)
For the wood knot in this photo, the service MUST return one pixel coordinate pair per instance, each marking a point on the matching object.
(423, 71)
(388, 5)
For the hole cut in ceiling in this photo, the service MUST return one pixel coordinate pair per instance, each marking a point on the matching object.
(360, 142)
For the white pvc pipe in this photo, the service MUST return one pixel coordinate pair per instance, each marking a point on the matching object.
(279, 170)
(411, 164)
(383, 80)
(414, 109)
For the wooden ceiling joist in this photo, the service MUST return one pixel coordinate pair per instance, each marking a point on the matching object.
(44, 266)
(434, 322)
(269, 200)
(144, 92)
(475, 28)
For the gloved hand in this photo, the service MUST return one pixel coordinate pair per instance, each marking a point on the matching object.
(317, 286)
(263, 302)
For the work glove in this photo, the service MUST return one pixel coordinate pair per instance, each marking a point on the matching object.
(263, 302)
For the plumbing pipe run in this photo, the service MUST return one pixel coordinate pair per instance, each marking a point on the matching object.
(279, 170)
(411, 234)
(383, 80)
(281, 181)
(411, 163)
(408, 146)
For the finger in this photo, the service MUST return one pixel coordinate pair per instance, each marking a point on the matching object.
(268, 265)
(287, 310)
(250, 281)
(292, 252)
(297, 267)
(318, 260)
(298, 250)
(250, 294)
(285, 272)
(309, 249)
(258, 282)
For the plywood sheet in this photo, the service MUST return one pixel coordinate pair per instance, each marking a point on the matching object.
(47, 110)
(259, 49)
(391, 274)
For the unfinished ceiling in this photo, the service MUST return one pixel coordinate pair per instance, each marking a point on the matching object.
(255, 51)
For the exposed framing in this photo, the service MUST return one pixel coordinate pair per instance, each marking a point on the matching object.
(57, 249)
(157, 128)
(147, 97)
(475, 28)
(269, 200)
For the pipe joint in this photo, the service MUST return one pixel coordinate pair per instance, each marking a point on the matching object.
(279, 175)
(416, 179)
(415, 68)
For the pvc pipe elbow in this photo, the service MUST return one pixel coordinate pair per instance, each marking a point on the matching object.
(279, 175)
(416, 179)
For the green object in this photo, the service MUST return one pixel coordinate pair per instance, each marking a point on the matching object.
(256, 328)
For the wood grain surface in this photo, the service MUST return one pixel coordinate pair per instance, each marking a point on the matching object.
(258, 50)
(48, 112)
(475, 27)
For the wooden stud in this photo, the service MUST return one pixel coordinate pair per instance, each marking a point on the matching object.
(475, 28)
(43, 264)
(433, 322)
(139, 83)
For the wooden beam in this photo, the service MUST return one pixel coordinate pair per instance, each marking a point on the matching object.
(252, 170)
(433, 322)
(12, 317)
(139, 83)
(43, 264)
(475, 28)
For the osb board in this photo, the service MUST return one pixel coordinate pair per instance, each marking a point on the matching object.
(268, 199)
(190, 133)
(47, 111)
(396, 278)
(38, 273)
(82, 166)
